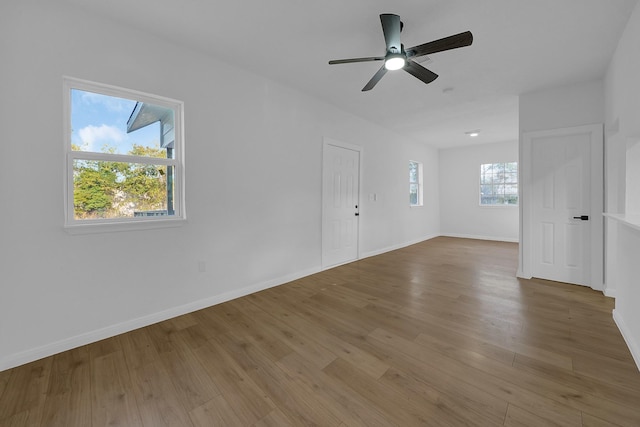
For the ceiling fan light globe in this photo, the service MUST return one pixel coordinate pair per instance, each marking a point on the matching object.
(394, 62)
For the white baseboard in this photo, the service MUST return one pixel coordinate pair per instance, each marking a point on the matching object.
(609, 292)
(47, 350)
(395, 247)
(476, 237)
(624, 330)
(521, 275)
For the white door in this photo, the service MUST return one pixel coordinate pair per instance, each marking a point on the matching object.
(340, 205)
(566, 205)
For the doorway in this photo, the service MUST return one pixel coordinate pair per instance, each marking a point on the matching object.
(340, 202)
(561, 205)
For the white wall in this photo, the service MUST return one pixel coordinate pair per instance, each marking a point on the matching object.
(622, 112)
(251, 230)
(460, 212)
(562, 107)
(388, 222)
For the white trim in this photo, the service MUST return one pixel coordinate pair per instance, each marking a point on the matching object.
(129, 224)
(476, 237)
(611, 293)
(331, 141)
(31, 355)
(120, 158)
(521, 275)
(634, 347)
(74, 226)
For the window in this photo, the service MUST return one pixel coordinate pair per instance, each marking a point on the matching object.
(124, 154)
(415, 183)
(499, 184)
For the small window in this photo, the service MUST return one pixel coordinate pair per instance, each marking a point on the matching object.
(124, 156)
(415, 183)
(499, 184)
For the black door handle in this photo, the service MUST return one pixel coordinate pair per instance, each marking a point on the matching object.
(357, 214)
(582, 217)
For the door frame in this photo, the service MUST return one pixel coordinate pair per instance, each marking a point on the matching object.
(525, 261)
(332, 142)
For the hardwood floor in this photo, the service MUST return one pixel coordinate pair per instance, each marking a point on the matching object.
(440, 333)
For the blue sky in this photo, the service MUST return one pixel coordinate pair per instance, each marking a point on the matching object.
(98, 120)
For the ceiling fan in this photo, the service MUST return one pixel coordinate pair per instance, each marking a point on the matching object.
(398, 58)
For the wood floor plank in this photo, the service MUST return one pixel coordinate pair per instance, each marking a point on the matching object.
(560, 393)
(216, 412)
(139, 348)
(473, 397)
(4, 380)
(511, 392)
(448, 410)
(112, 396)
(25, 393)
(352, 409)
(239, 324)
(615, 372)
(361, 359)
(518, 417)
(246, 399)
(290, 395)
(157, 398)
(193, 384)
(591, 421)
(437, 333)
(68, 399)
(595, 387)
(274, 419)
(330, 318)
(400, 408)
(20, 419)
(290, 334)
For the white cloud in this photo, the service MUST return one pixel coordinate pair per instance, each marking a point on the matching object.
(103, 134)
(111, 103)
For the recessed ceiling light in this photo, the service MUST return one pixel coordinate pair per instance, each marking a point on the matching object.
(473, 133)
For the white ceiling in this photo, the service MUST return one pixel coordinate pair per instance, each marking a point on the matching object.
(519, 46)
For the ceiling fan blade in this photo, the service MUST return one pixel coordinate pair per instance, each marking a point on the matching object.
(375, 79)
(447, 43)
(417, 70)
(350, 60)
(391, 27)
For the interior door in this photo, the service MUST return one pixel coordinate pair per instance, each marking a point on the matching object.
(566, 228)
(340, 212)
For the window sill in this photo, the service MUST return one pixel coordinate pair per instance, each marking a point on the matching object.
(113, 227)
(498, 206)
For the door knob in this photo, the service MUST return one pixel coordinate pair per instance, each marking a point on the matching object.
(582, 217)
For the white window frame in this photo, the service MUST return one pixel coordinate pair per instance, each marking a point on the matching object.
(496, 205)
(418, 183)
(75, 226)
